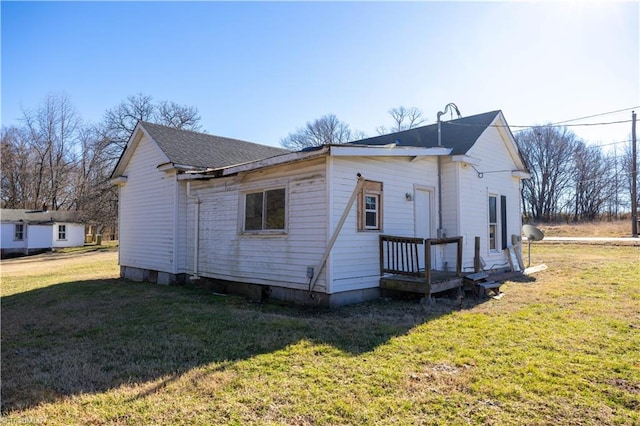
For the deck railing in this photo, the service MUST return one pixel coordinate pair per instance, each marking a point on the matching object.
(401, 255)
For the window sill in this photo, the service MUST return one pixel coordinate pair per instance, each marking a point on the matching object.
(264, 234)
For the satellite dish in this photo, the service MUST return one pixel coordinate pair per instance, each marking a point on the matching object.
(533, 234)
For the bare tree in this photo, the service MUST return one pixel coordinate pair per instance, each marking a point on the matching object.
(549, 153)
(52, 136)
(403, 119)
(626, 170)
(119, 121)
(54, 159)
(594, 181)
(326, 130)
(16, 169)
(178, 116)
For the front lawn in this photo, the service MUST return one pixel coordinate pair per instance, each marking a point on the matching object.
(80, 346)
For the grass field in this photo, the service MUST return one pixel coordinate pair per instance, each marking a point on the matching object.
(614, 228)
(80, 346)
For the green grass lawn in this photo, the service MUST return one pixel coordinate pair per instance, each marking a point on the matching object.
(80, 346)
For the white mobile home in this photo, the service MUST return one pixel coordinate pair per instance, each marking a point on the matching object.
(310, 223)
(31, 231)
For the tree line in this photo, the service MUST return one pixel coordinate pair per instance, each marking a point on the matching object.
(56, 160)
(572, 180)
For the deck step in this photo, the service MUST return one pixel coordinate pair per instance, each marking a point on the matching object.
(478, 276)
(490, 285)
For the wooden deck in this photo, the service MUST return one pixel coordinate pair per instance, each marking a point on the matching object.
(400, 265)
(440, 281)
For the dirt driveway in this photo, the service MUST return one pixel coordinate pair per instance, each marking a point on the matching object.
(52, 261)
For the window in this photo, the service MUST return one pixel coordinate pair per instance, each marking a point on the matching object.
(371, 203)
(370, 207)
(493, 221)
(62, 232)
(265, 210)
(19, 234)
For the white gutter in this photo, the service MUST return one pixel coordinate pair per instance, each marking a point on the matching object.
(387, 151)
(196, 233)
(339, 151)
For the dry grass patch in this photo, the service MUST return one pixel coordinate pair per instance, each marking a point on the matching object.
(615, 228)
(563, 349)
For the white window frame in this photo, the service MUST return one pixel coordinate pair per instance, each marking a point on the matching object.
(262, 230)
(375, 211)
(495, 224)
(370, 189)
(18, 235)
(62, 232)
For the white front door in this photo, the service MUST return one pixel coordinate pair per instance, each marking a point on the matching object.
(422, 214)
(422, 206)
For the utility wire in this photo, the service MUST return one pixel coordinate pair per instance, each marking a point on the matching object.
(597, 115)
(453, 123)
(559, 123)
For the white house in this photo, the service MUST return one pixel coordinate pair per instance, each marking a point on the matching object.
(31, 231)
(306, 226)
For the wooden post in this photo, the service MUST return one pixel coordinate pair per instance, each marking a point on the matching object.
(381, 242)
(459, 258)
(476, 255)
(427, 263)
(634, 178)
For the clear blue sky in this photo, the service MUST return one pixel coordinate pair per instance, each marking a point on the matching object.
(257, 71)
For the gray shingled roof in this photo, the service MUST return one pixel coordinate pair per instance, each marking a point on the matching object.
(459, 134)
(195, 149)
(39, 216)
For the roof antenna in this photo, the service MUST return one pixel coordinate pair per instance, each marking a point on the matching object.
(441, 113)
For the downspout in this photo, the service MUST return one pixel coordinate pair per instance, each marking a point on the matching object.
(196, 233)
(336, 232)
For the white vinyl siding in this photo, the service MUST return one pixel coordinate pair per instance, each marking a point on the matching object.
(8, 233)
(492, 158)
(147, 211)
(67, 235)
(227, 253)
(354, 260)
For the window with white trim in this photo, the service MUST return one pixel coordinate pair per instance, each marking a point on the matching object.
(370, 207)
(371, 211)
(493, 222)
(265, 210)
(62, 232)
(19, 232)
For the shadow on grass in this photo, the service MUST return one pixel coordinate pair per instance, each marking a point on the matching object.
(92, 336)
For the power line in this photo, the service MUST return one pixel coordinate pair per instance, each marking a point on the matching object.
(611, 143)
(559, 123)
(536, 125)
(597, 115)
(575, 125)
